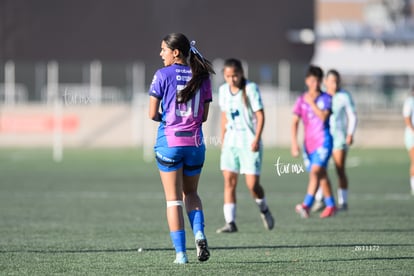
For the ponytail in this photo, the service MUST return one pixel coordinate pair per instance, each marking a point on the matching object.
(201, 69)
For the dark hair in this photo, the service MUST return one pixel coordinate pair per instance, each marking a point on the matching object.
(237, 65)
(315, 71)
(337, 76)
(201, 68)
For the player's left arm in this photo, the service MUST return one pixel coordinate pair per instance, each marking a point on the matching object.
(352, 120)
(256, 104)
(260, 120)
(323, 114)
(154, 107)
(206, 109)
(206, 88)
(407, 111)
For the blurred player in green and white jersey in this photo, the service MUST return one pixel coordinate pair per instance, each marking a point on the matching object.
(242, 122)
(408, 113)
(343, 124)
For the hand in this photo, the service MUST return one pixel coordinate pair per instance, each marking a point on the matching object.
(294, 150)
(349, 140)
(309, 99)
(255, 145)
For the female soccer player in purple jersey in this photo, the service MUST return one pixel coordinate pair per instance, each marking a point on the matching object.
(314, 108)
(182, 89)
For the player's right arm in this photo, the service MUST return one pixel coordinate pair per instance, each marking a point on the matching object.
(156, 94)
(352, 119)
(223, 125)
(408, 123)
(323, 114)
(295, 149)
(206, 109)
(407, 112)
(154, 107)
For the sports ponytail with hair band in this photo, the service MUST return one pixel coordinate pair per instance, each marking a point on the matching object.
(194, 50)
(201, 69)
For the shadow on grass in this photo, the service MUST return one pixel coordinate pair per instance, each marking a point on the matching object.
(326, 260)
(361, 230)
(367, 248)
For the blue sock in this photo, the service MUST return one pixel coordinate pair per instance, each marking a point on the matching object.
(308, 201)
(178, 240)
(196, 218)
(329, 201)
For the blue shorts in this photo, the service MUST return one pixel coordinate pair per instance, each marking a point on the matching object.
(190, 158)
(319, 157)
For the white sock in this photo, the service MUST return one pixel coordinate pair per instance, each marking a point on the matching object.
(412, 183)
(319, 195)
(261, 203)
(229, 210)
(342, 196)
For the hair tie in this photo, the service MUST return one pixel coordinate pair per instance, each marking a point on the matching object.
(194, 49)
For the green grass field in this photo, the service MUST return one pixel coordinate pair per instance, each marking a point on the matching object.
(89, 214)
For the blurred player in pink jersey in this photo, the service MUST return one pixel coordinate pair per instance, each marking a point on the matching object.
(343, 124)
(313, 108)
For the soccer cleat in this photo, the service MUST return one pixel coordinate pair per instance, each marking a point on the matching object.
(228, 228)
(328, 212)
(318, 205)
(181, 258)
(268, 220)
(203, 254)
(342, 207)
(302, 210)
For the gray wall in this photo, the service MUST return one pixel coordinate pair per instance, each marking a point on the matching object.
(76, 30)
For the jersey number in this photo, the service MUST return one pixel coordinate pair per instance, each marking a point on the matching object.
(188, 107)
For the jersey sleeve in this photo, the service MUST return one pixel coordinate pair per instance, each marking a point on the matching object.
(157, 87)
(222, 99)
(255, 99)
(297, 108)
(407, 108)
(206, 88)
(327, 103)
(351, 114)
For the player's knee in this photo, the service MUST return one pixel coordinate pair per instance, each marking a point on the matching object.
(230, 185)
(230, 181)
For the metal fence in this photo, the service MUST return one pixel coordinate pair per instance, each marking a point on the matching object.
(99, 82)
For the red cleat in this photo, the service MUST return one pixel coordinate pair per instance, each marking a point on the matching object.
(328, 212)
(302, 210)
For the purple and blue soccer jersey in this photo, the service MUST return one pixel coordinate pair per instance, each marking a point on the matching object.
(317, 133)
(181, 122)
